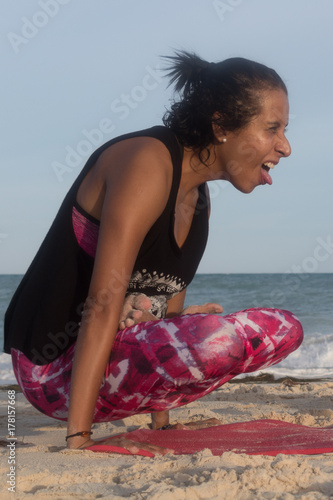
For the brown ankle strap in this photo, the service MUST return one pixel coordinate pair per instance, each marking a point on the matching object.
(82, 434)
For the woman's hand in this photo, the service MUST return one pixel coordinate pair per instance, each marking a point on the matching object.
(134, 446)
(201, 424)
(208, 308)
(129, 445)
(135, 310)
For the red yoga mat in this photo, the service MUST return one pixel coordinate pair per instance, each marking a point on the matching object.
(257, 437)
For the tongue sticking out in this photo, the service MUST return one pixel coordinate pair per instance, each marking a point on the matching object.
(265, 177)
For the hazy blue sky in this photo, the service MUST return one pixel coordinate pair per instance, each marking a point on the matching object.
(76, 73)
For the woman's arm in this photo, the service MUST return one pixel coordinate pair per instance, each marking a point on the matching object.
(135, 195)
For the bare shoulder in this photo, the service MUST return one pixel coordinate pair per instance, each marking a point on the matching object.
(139, 156)
(137, 176)
(140, 164)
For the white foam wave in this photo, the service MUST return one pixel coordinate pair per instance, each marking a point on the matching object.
(314, 359)
(7, 376)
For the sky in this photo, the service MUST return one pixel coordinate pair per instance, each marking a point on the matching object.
(76, 73)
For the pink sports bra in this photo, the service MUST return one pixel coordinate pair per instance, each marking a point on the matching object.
(86, 229)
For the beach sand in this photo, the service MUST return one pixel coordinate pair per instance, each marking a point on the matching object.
(45, 469)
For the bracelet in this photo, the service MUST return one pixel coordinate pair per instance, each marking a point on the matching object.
(83, 434)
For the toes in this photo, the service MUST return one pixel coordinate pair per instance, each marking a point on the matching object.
(142, 302)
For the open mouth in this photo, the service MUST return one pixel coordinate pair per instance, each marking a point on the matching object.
(265, 176)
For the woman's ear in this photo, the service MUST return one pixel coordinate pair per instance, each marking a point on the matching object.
(218, 131)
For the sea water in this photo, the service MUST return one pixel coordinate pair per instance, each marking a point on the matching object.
(308, 296)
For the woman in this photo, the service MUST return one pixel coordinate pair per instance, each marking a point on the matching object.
(97, 329)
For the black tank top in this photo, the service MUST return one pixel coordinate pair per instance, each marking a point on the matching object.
(43, 317)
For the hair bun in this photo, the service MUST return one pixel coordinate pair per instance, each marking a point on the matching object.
(186, 70)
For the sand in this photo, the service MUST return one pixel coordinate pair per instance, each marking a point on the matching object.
(45, 469)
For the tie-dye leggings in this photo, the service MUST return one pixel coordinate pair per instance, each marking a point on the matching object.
(166, 364)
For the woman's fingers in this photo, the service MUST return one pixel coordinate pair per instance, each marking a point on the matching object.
(134, 447)
(201, 424)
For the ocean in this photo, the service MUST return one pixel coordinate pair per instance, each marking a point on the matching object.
(308, 296)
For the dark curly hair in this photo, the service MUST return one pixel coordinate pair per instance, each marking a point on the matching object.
(231, 88)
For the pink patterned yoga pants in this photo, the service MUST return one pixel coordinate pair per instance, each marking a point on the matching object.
(166, 364)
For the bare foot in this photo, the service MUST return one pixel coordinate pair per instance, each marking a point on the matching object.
(135, 310)
(209, 308)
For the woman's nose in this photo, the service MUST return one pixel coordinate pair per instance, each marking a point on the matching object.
(283, 147)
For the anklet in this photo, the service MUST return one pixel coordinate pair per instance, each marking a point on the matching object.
(83, 434)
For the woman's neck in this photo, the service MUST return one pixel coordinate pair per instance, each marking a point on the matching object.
(195, 172)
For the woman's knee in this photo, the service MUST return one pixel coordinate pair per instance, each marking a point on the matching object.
(293, 327)
(270, 335)
(215, 341)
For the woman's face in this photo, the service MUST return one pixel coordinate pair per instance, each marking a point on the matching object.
(248, 154)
